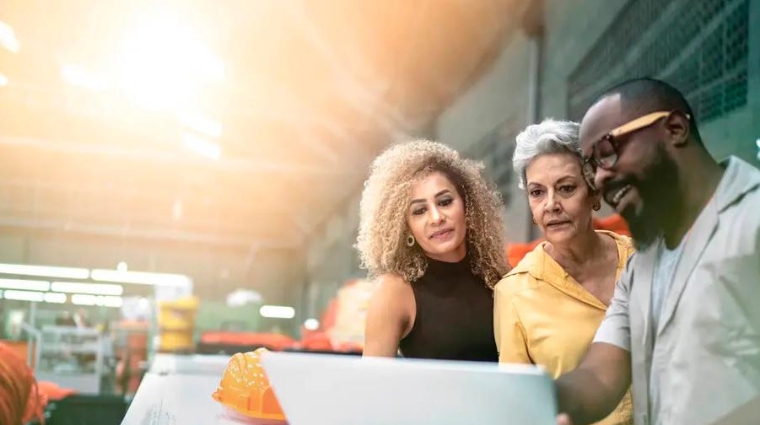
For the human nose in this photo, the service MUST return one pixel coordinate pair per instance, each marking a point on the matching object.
(601, 177)
(435, 216)
(552, 203)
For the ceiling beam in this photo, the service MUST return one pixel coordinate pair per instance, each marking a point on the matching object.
(165, 235)
(250, 166)
(132, 196)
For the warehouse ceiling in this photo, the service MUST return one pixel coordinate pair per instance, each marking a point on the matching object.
(227, 122)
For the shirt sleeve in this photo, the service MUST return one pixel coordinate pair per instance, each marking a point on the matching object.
(508, 330)
(615, 328)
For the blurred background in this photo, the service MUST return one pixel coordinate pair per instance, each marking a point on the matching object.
(185, 175)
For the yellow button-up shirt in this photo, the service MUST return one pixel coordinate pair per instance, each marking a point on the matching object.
(543, 316)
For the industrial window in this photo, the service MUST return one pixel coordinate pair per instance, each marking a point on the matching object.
(698, 46)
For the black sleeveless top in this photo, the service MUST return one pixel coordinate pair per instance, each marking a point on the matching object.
(454, 319)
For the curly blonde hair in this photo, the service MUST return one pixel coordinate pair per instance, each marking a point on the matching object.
(387, 191)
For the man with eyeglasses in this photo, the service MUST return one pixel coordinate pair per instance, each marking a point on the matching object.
(684, 324)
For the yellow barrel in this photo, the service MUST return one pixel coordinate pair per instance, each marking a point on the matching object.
(176, 324)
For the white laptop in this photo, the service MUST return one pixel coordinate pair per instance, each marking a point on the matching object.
(319, 389)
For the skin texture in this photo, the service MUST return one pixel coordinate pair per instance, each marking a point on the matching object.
(644, 163)
(592, 390)
(384, 208)
(671, 177)
(436, 218)
(562, 207)
(559, 199)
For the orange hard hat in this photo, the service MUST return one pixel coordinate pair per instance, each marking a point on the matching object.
(245, 388)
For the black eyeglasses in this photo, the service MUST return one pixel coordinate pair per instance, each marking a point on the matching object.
(605, 151)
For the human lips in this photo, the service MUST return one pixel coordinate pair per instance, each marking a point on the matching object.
(556, 223)
(615, 196)
(441, 234)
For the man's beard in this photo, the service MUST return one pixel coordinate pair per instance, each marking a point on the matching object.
(644, 228)
(660, 198)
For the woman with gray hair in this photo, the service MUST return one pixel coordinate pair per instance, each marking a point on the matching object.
(547, 309)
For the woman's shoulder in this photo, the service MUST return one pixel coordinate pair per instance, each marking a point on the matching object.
(618, 237)
(392, 292)
(529, 261)
(393, 287)
(392, 282)
(521, 277)
(624, 243)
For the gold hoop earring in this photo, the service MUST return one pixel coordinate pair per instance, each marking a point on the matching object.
(597, 206)
(410, 241)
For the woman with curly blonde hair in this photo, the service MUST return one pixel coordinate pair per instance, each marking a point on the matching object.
(431, 233)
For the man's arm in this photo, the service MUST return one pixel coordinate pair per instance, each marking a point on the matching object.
(593, 390)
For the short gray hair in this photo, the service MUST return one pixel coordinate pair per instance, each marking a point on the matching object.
(549, 136)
